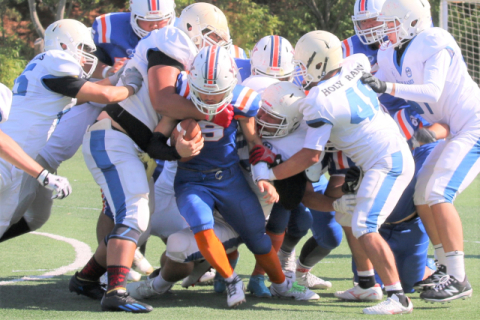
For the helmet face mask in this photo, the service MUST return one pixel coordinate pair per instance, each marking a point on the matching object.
(368, 30)
(211, 79)
(205, 24)
(272, 56)
(150, 11)
(74, 38)
(279, 114)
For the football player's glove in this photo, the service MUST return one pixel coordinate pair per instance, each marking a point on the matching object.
(260, 153)
(376, 84)
(149, 163)
(59, 185)
(131, 77)
(346, 204)
(353, 178)
(223, 118)
(422, 136)
(116, 76)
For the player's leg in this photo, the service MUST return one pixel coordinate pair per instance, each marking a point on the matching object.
(10, 183)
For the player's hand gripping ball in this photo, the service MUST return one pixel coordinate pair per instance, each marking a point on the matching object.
(191, 128)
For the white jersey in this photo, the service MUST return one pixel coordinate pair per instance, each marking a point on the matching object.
(259, 82)
(175, 44)
(5, 102)
(347, 112)
(459, 100)
(35, 107)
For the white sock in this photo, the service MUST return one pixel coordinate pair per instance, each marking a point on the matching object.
(367, 273)
(455, 264)
(161, 285)
(440, 254)
(282, 287)
(394, 287)
(302, 268)
(230, 279)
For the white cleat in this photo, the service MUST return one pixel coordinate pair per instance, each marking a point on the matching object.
(358, 294)
(143, 289)
(390, 306)
(288, 263)
(133, 276)
(198, 272)
(311, 281)
(295, 291)
(235, 292)
(141, 264)
(104, 279)
(207, 277)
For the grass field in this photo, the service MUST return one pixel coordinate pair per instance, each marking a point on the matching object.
(76, 216)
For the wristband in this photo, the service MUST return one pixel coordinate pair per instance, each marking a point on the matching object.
(42, 176)
(105, 70)
(389, 88)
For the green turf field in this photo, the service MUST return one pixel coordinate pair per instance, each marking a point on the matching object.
(76, 216)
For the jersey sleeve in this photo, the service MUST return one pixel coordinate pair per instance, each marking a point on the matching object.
(313, 112)
(158, 58)
(317, 138)
(5, 102)
(68, 86)
(245, 102)
(339, 164)
(182, 88)
(175, 44)
(347, 47)
(61, 64)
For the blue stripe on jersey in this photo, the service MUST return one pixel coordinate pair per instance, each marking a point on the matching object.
(399, 67)
(385, 189)
(315, 123)
(462, 170)
(99, 154)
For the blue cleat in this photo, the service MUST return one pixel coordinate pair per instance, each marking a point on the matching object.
(257, 287)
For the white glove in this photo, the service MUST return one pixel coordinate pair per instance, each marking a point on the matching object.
(133, 78)
(59, 185)
(345, 204)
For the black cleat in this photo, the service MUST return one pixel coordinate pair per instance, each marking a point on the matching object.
(119, 300)
(448, 289)
(91, 289)
(432, 280)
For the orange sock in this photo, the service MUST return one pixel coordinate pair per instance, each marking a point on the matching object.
(270, 263)
(277, 240)
(214, 252)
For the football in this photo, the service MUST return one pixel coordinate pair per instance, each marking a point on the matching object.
(191, 128)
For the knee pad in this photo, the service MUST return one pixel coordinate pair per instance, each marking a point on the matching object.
(330, 238)
(178, 245)
(262, 245)
(123, 232)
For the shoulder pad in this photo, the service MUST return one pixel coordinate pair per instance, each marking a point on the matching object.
(357, 58)
(431, 41)
(245, 100)
(175, 44)
(259, 83)
(5, 102)
(61, 64)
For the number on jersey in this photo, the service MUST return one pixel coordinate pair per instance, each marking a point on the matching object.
(21, 83)
(360, 109)
(211, 131)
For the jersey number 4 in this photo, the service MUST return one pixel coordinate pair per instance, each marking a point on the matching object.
(360, 109)
(21, 83)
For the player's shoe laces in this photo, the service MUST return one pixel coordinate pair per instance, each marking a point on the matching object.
(288, 263)
(119, 300)
(198, 271)
(143, 289)
(207, 277)
(357, 293)
(390, 306)
(218, 282)
(91, 289)
(432, 280)
(448, 289)
(141, 264)
(294, 291)
(311, 281)
(235, 292)
(257, 286)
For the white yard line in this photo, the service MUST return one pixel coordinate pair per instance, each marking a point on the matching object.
(83, 253)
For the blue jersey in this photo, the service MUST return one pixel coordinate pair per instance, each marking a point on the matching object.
(114, 36)
(220, 149)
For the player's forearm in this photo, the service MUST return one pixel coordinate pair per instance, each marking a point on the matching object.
(14, 154)
(248, 126)
(297, 163)
(317, 201)
(174, 106)
(441, 130)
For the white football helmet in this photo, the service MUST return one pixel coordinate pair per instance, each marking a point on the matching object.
(205, 24)
(407, 18)
(272, 56)
(316, 54)
(75, 38)
(279, 103)
(212, 78)
(150, 10)
(364, 10)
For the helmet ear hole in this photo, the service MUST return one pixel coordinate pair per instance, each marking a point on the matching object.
(64, 46)
(319, 65)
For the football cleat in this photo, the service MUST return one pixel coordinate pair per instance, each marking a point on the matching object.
(294, 291)
(119, 300)
(218, 282)
(198, 272)
(154, 274)
(390, 306)
(257, 286)
(143, 289)
(448, 289)
(432, 280)
(207, 277)
(91, 289)
(133, 275)
(311, 281)
(288, 263)
(235, 292)
(141, 264)
(357, 293)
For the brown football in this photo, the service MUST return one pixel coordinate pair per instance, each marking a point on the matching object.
(191, 128)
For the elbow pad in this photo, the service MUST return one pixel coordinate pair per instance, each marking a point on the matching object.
(157, 148)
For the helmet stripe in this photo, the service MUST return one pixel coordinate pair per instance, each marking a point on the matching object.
(274, 51)
(153, 5)
(363, 5)
(211, 68)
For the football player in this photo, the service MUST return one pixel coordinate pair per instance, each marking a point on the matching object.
(346, 112)
(424, 66)
(58, 76)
